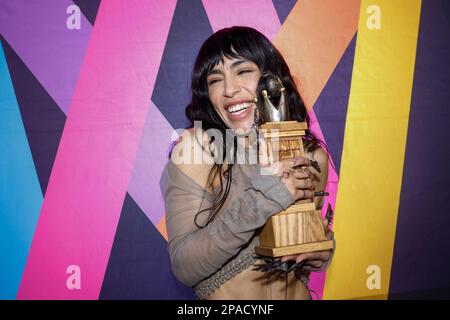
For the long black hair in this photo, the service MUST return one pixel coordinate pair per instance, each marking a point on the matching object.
(250, 44)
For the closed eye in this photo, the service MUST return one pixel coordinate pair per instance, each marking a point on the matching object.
(213, 81)
(245, 71)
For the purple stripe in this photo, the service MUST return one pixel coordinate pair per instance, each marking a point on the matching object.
(149, 165)
(43, 120)
(89, 8)
(283, 7)
(189, 28)
(421, 257)
(331, 106)
(37, 31)
(139, 264)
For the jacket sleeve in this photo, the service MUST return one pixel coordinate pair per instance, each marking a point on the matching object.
(196, 253)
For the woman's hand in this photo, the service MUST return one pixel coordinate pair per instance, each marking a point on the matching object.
(299, 181)
(316, 260)
(293, 173)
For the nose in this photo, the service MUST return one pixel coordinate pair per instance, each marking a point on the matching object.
(231, 87)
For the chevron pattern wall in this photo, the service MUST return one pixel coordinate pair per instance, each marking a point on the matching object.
(91, 91)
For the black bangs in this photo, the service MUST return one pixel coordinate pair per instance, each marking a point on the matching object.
(216, 56)
(234, 43)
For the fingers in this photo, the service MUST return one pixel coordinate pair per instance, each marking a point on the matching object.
(287, 258)
(322, 256)
(302, 179)
(300, 161)
(326, 228)
(329, 215)
(264, 159)
(304, 194)
(325, 225)
(299, 188)
(301, 257)
(313, 259)
(328, 232)
(293, 173)
(327, 221)
(303, 183)
(315, 263)
(301, 173)
(303, 161)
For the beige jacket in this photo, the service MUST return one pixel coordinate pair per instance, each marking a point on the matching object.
(217, 260)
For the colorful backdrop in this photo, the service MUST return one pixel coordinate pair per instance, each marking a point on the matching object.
(90, 92)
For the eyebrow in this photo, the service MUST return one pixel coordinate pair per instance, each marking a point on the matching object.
(233, 65)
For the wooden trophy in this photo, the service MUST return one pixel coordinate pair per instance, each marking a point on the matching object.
(299, 228)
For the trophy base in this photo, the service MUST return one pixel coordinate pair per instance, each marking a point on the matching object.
(295, 249)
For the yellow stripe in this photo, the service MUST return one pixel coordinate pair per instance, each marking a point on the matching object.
(374, 148)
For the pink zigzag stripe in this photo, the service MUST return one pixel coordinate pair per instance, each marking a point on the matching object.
(149, 165)
(317, 280)
(94, 163)
(258, 14)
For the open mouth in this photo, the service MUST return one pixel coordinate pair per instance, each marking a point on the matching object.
(237, 109)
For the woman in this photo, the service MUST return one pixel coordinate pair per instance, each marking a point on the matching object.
(215, 207)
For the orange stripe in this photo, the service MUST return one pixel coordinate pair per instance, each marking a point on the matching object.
(313, 40)
(161, 226)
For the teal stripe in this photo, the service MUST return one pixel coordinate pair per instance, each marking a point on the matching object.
(20, 193)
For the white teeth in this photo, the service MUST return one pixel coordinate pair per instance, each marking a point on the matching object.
(239, 108)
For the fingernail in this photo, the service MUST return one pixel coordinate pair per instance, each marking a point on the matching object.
(321, 193)
(315, 165)
(276, 263)
(293, 267)
(284, 266)
(329, 215)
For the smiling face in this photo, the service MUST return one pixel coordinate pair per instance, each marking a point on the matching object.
(232, 89)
